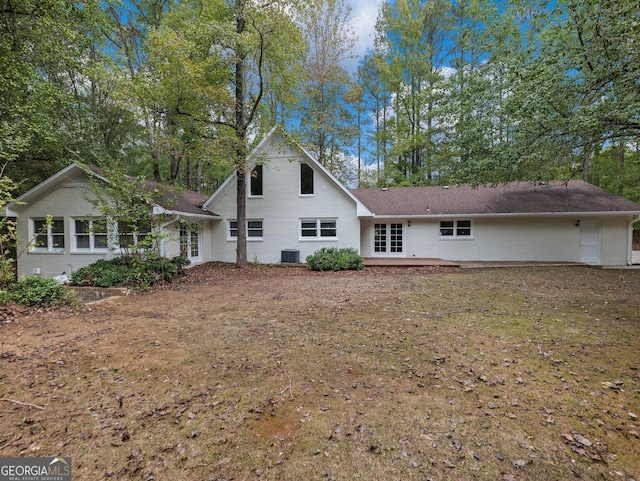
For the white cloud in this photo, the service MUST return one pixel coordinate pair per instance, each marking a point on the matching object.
(364, 14)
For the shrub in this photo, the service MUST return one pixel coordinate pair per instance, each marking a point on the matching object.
(335, 259)
(38, 291)
(140, 273)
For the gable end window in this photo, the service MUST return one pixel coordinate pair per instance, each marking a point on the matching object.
(306, 179)
(318, 228)
(48, 237)
(256, 182)
(455, 229)
(90, 235)
(254, 229)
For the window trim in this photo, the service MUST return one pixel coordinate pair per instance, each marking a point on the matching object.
(91, 234)
(456, 228)
(313, 175)
(234, 238)
(318, 221)
(49, 235)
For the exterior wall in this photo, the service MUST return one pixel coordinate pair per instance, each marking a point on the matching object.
(281, 207)
(548, 239)
(171, 244)
(67, 201)
(616, 240)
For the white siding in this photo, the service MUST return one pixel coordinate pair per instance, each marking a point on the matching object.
(67, 201)
(281, 207)
(616, 248)
(70, 200)
(530, 238)
(171, 244)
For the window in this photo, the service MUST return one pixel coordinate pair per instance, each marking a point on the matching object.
(306, 179)
(189, 242)
(254, 229)
(455, 229)
(90, 234)
(256, 181)
(48, 236)
(131, 236)
(318, 228)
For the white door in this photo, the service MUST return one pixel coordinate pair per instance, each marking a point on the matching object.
(190, 243)
(590, 242)
(388, 239)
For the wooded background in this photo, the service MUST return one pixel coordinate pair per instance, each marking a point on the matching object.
(467, 91)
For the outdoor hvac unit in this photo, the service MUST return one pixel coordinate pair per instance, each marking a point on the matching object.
(290, 256)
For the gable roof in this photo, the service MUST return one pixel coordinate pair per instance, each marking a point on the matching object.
(230, 181)
(170, 200)
(573, 197)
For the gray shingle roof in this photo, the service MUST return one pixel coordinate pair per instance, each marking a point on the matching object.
(171, 198)
(185, 201)
(513, 198)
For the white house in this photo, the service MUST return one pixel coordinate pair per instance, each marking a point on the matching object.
(558, 221)
(79, 234)
(295, 206)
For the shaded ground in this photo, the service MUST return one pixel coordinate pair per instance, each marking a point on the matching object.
(385, 374)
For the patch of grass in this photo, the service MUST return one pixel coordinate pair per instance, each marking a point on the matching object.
(287, 375)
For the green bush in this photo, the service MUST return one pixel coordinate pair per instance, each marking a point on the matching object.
(38, 291)
(129, 272)
(335, 259)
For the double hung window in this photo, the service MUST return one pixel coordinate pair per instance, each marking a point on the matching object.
(90, 235)
(254, 229)
(318, 228)
(48, 235)
(455, 229)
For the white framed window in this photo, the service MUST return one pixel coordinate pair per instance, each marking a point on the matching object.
(254, 229)
(456, 229)
(130, 236)
(90, 235)
(47, 236)
(306, 179)
(318, 229)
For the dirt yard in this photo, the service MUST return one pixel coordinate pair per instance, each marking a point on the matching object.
(386, 374)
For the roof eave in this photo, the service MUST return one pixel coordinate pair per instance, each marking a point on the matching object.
(159, 210)
(507, 214)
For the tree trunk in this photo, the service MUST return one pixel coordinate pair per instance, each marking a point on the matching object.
(241, 159)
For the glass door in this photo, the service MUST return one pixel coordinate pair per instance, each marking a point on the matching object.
(388, 239)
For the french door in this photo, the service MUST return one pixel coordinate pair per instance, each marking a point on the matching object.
(388, 239)
(190, 243)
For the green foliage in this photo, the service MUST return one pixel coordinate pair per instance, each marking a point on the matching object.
(38, 291)
(129, 272)
(335, 259)
(8, 234)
